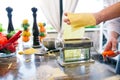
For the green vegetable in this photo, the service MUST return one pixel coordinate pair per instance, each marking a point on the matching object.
(42, 34)
(1, 29)
(9, 35)
(25, 26)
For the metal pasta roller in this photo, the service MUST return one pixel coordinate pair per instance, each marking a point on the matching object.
(74, 50)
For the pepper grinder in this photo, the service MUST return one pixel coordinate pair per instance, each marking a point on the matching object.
(10, 25)
(35, 31)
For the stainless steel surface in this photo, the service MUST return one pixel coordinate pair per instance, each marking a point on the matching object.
(45, 67)
(49, 43)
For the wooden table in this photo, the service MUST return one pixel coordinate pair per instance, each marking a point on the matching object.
(47, 68)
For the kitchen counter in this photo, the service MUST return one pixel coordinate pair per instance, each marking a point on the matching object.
(34, 67)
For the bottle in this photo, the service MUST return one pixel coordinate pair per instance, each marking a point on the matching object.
(35, 31)
(10, 24)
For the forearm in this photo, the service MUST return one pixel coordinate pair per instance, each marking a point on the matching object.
(108, 13)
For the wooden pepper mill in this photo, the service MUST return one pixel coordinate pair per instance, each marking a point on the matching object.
(36, 42)
(10, 25)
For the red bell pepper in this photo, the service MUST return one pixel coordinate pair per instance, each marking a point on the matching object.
(11, 40)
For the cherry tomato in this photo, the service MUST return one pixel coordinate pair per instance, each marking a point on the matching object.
(3, 40)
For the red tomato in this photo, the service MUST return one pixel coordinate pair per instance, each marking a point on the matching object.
(11, 48)
(3, 40)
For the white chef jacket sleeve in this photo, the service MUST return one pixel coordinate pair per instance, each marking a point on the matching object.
(113, 25)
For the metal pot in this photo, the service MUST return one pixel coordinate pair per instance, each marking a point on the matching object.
(49, 43)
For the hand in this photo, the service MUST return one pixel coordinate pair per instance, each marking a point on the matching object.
(111, 44)
(110, 48)
(109, 53)
(112, 41)
(78, 20)
(66, 20)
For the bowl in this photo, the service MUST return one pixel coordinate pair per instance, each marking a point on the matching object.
(5, 55)
(49, 43)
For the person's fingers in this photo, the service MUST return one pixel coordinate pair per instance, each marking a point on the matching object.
(65, 14)
(67, 21)
(108, 46)
(114, 44)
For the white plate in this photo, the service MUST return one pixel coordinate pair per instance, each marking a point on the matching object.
(3, 55)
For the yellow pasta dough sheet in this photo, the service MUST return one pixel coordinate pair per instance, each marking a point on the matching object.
(68, 33)
(29, 51)
(79, 20)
